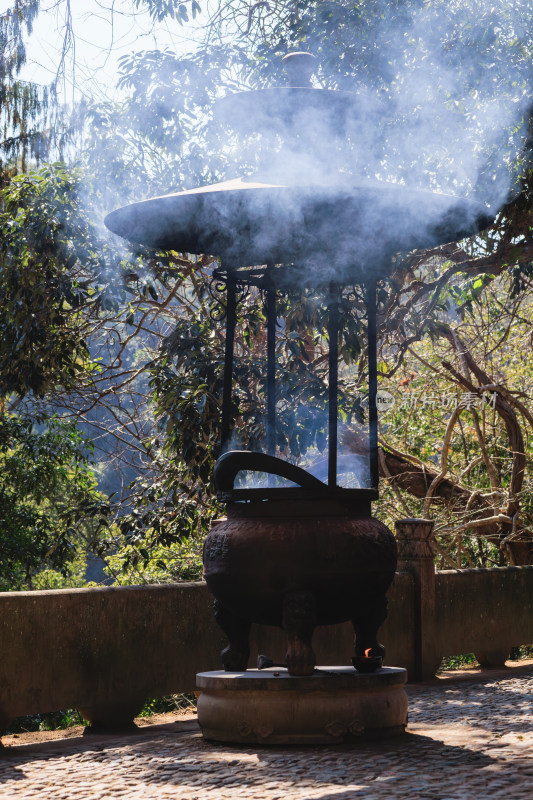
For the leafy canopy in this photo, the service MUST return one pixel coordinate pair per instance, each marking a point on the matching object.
(48, 498)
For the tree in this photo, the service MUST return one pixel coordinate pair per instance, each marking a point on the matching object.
(33, 122)
(49, 504)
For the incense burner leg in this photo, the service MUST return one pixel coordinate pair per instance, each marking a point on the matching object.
(298, 622)
(366, 622)
(235, 656)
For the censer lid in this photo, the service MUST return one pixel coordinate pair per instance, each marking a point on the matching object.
(343, 229)
(286, 109)
(289, 109)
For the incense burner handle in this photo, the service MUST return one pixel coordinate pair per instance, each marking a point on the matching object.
(232, 462)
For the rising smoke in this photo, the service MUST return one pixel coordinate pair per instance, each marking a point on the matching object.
(421, 155)
(388, 157)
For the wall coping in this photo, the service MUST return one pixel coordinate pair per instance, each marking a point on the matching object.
(146, 587)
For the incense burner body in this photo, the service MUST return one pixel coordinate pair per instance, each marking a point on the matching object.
(298, 566)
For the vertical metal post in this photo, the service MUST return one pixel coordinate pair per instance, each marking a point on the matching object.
(271, 316)
(333, 398)
(231, 317)
(372, 383)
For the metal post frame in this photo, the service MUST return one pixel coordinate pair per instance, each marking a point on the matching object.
(271, 316)
(333, 365)
(371, 290)
(231, 318)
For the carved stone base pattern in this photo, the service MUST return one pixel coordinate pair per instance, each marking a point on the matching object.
(333, 705)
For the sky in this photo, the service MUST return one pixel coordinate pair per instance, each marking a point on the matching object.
(103, 31)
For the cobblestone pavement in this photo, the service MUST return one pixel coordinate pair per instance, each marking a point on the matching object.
(467, 739)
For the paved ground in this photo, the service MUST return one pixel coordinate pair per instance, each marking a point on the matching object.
(469, 737)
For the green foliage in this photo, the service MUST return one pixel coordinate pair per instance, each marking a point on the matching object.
(187, 388)
(71, 718)
(474, 451)
(173, 9)
(72, 573)
(164, 705)
(32, 122)
(20, 103)
(519, 653)
(139, 556)
(51, 721)
(161, 136)
(51, 263)
(465, 661)
(48, 501)
(14, 23)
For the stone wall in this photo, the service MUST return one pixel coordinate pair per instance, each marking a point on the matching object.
(107, 650)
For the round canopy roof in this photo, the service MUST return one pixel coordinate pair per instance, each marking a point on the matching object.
(343, 231)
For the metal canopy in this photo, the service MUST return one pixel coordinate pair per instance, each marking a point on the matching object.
(339, 232)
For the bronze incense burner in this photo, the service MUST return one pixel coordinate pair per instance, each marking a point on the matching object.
(309, 553)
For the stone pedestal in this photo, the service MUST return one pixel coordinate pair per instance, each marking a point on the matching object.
(333, 705)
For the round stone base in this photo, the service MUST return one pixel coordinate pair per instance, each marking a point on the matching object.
(333, 705)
